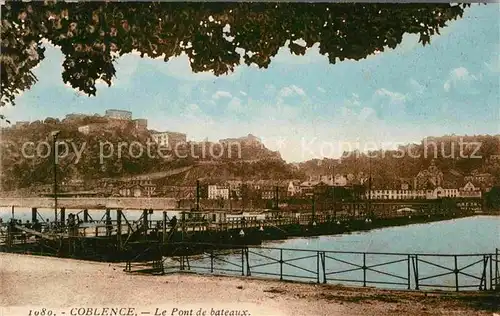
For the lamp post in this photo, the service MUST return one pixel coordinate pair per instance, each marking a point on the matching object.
(369, 184)
(54, 161)
(332, 168)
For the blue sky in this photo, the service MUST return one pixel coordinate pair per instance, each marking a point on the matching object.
(302, 105)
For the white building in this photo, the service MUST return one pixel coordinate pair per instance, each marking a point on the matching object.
(85, 129)
(389, 194)
(450, 193)
(294, 188)
(470, 191)
(218, 192)
(429, 194)
(337, 180)
(168, 139)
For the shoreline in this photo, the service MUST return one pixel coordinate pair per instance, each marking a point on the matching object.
(62, 284)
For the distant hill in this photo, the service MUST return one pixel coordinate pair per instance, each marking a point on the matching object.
(240, 157)
(471, 154)
(244, 158)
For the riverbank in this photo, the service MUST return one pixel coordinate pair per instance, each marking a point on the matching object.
(63, 284)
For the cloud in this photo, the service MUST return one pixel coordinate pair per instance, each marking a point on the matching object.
(395, 97)
(461, 73)
(460, 79)
(416, 86)
(243, 93)
(291, 90)
(494, 64)
(126, 67)
(221, 94)
(235, 105)
(353, 101)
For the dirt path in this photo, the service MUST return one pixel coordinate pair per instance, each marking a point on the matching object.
(66, 285)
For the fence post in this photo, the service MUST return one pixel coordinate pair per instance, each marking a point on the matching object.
(409, 273)
(281, 264)
(211, 261)
(485, 274)
(242, 262)
(249, 273)
(456, 272)
(364, 269)
(323, 261)
(491, 273)
(317, 267)
(415, 271)
(496, 268)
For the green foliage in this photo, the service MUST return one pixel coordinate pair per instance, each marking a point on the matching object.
(493, 198)
(92, 35)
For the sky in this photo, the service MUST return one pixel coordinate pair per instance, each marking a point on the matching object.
(302, 105)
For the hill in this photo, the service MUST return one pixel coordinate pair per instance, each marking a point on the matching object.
(455, 156)
(118, 149)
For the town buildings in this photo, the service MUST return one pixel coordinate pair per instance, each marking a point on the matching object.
(294, 188)
(467, 191)
(21, 124)
(429, 178)
(168, 139)
(111, 119)
(118, 114)
(139, 186)
(217, 191)
(249, 140)
(470, 190)
(75, 116)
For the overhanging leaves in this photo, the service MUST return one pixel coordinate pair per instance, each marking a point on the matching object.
(93, 34)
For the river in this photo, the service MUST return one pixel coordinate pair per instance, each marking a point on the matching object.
(472, 235)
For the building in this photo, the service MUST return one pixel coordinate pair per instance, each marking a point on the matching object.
(431, 177)
(235, 188)
(428, 194)
(134, 190)
(396, 194)
(268, 192)
(75, 116)
(446, 193)
(169, 139)
(92, 128)
(85, 129)
(307, 187)
(294, 188)
(140, 124)
(218, 192)
(249, 140)
(72, 185)
(470, 191)
(118, 114)
(481, 178)
(21, 124)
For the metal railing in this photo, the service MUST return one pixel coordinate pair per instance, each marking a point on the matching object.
(389, 270)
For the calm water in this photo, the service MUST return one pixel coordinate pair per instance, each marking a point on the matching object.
(479, 234)
(473, 235)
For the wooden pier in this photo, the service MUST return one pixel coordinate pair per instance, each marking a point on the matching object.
(114, 237)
